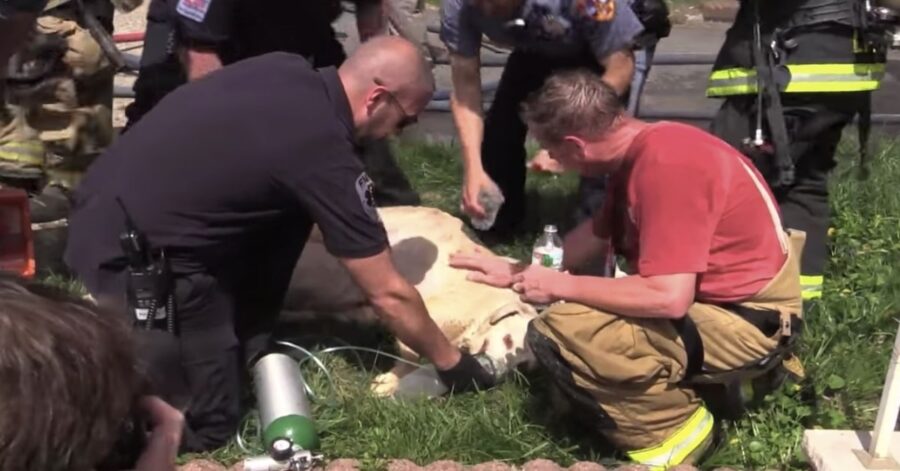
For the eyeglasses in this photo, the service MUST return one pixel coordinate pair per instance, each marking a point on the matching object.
(407, 118)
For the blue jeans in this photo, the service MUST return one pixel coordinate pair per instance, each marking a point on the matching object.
(592, 190)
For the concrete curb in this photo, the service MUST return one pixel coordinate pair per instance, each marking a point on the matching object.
(446, 465)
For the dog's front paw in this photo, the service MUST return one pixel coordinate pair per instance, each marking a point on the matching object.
(385, 384)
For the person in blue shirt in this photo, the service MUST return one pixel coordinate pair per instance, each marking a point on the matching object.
(546, 36)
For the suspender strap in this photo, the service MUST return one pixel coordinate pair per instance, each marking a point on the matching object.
(770, 205)
(693, 344)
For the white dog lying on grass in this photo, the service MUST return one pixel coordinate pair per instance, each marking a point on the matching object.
(475, 317)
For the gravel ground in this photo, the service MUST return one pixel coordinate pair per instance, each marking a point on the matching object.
(132, 22)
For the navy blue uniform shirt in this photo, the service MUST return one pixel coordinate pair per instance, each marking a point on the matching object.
(263, 142)
(555, 27)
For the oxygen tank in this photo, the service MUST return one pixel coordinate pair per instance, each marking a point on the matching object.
(284, 411)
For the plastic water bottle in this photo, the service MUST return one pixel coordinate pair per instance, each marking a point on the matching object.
(424, 382)
(491, 199)
(548, 250)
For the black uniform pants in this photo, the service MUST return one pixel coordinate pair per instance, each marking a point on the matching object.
(503, 147)
(224, 320)
(814, 124)
(161, 73)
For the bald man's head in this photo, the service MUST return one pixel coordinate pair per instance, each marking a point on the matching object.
(388, 83)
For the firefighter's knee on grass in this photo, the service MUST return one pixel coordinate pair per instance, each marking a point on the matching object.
(654, 386)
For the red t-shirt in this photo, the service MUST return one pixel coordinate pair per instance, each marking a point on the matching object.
(690, 206)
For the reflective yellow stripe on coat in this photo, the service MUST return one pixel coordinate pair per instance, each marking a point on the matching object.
(805, 78)
(811, 286)
(676, 448)
(23, 152)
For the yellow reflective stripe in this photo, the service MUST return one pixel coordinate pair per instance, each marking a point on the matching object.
(811, 286)
(735, 81)
(836, 69)
(729, 74)
(835, 77)
(806, 87)
(676, 448)
(26, 152)
(807, 295)
(812, 280)
(36, 146)
(804, 78)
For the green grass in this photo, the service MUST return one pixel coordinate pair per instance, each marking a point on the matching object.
(845, 348)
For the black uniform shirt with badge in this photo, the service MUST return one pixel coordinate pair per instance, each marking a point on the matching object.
(238, 29)
(263, 144)
(555, 27)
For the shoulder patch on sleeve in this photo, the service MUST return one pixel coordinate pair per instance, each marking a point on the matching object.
(598, 10)
(365, 189)
(193, 9)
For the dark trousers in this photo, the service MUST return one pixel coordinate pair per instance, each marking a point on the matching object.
(161, 73)
(814, 124)
(224, 320)
(503, 146)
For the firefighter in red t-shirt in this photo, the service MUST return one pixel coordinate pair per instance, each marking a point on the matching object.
(712, 296)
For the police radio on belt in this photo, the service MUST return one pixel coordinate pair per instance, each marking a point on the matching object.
(148, 282)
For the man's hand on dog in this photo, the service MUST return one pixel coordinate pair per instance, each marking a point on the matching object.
(537, 284)
(486, 268)
(467, 375)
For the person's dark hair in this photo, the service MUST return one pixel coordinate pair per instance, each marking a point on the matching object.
(576, 102)
(68, 379)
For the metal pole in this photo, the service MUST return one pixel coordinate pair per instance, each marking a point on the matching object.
(879, 450)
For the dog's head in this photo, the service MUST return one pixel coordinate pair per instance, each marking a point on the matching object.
(501, 337)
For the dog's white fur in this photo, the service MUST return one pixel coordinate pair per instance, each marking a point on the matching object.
(475, 317)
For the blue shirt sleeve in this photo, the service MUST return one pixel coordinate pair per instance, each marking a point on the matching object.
(205, 21)
(459, 28)
(606, 37)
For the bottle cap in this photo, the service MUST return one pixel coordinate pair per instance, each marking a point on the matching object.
(281, 449)
(550, 228)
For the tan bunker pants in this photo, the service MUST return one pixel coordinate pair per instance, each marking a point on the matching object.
(633, 373)
(58, 132)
